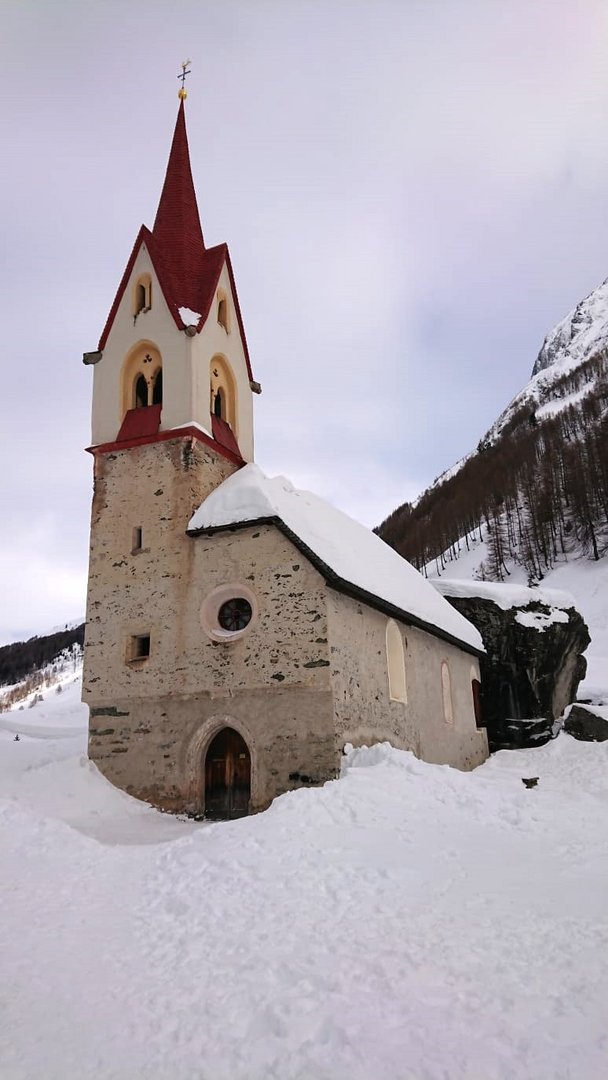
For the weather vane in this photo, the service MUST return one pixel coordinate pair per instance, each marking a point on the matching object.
(182, 93)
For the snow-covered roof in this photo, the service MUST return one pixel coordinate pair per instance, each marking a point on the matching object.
(504, 595)
(350, 555)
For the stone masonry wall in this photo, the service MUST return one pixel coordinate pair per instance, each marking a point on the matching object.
(156, 749)
(154, 487)
(152, 719)
(364, 711)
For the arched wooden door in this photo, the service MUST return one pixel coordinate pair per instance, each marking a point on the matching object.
(227, 776)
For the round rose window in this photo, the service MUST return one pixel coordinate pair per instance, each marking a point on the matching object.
(229, 612)
(235, 614)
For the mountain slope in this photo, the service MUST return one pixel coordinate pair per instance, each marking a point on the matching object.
(533, 498)
(537, 486)
(23, 658)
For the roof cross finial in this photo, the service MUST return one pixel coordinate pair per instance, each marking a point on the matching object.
(182, 93)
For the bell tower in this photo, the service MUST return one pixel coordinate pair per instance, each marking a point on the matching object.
(174, 340)
(171, 419)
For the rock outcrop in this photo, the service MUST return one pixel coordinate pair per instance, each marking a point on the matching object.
(534, 639)
(586, 724)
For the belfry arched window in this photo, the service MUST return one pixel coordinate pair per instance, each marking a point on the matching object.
(142, 378)
(223, 402)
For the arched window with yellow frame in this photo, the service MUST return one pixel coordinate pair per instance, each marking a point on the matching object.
(141, 378)
(223, 392)
(446, 693)
(395, 663)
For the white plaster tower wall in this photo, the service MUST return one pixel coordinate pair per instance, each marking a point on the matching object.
(157, 327)
(187, 361)
(214, 340)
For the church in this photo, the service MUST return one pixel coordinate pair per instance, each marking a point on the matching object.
(239, 632)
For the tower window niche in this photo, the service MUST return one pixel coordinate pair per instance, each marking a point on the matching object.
(142, 295)
(139, 648)
(222, 312)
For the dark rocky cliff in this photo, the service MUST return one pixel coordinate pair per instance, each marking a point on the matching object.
(529, 675)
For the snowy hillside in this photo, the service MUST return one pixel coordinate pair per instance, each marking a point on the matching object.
(530, 504)
(572, 362)
(407, 922)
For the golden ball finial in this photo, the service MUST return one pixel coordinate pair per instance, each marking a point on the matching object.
(182, 94)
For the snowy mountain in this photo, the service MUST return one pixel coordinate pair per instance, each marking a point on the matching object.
(530, 504)
(580, 335)
(570, 369)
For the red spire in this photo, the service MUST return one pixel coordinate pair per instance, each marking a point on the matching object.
(177, 228)
(188, 273)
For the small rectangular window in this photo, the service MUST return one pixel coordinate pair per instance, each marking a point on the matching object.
(137, 540)
(139, 647)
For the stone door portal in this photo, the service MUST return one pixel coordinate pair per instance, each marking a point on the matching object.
(227, 776)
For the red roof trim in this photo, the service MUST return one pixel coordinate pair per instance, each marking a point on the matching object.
(144, 236)
(165, 436)
(238, 315)
(223, 433)
(123, 284)
(219, 252)
(140, 421)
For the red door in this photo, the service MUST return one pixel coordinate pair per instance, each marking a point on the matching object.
(227, 776)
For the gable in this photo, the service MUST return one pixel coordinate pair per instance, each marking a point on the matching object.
(352, 559)
(197, 294)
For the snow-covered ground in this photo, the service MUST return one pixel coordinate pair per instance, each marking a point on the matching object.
(406, 921)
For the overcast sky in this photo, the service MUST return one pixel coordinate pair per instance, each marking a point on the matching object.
(413, 191)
